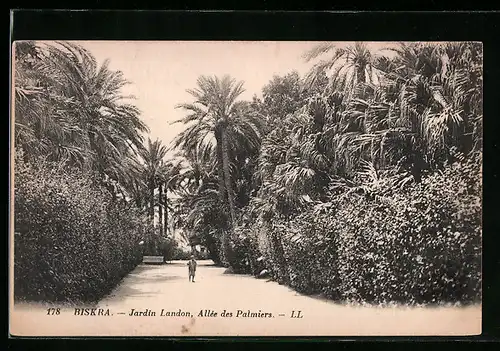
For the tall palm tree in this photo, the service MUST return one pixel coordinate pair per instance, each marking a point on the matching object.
(425, 100)
(221, 125)
(352, 73)
(110, 124)
(346, 67)
(197, 208)
(169, 174)
(290, 165)
(429, 102)
(194, 170)
(152, 156)
(74, 109)
(202, 218)
(44, 125)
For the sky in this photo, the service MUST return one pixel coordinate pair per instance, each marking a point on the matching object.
(161, 71)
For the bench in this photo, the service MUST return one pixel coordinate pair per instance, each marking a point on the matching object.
(152, 259)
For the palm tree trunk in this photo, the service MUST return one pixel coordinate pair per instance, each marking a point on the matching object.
(227, 178)
(223, 181)
(165, 217)
(220, 169)
(361, 75)
(226, 247)
(152, 201)
(416, 168)
(160, 209)
(138, 203)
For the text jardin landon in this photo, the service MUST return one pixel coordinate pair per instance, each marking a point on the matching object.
(202, 313)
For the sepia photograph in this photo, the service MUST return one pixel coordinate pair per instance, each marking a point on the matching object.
(246, 188)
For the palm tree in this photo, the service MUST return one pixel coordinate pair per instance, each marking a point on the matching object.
(348, 66)
(429, 102)
(110, 124)
(203, 215)
(222, 125)
(352, 75)
(73, 109)
(425, 100)
(197, 209)
(290, 165)
(44, 126)
(152, 157)
(194, 170)
(169, 176)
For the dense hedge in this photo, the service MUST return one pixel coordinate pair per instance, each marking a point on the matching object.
(72, 242)
(420, 244)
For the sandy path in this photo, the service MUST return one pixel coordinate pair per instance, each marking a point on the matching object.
(167, 287)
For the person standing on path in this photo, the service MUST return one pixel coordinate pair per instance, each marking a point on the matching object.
(192, 268)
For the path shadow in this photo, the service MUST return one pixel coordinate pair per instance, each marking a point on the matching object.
(129, 288)
(145, 267)
(174, 264)
(211, 265)
(318, 297)
(134, 279)
(127, 291)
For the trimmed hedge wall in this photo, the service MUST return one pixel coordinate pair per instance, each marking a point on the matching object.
(420, 244)
(71, 242)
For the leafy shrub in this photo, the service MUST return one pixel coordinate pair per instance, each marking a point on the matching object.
(72, 242)
(154, 243)
(419, 244)
(211, 240)
(168, 248)
(179, 253)
(203, 255)
(245, 253)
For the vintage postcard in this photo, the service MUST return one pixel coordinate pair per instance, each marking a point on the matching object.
(190, 188)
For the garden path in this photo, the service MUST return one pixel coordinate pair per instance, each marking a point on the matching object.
(167, 287)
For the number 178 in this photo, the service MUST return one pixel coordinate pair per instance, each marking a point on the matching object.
(53, 311)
